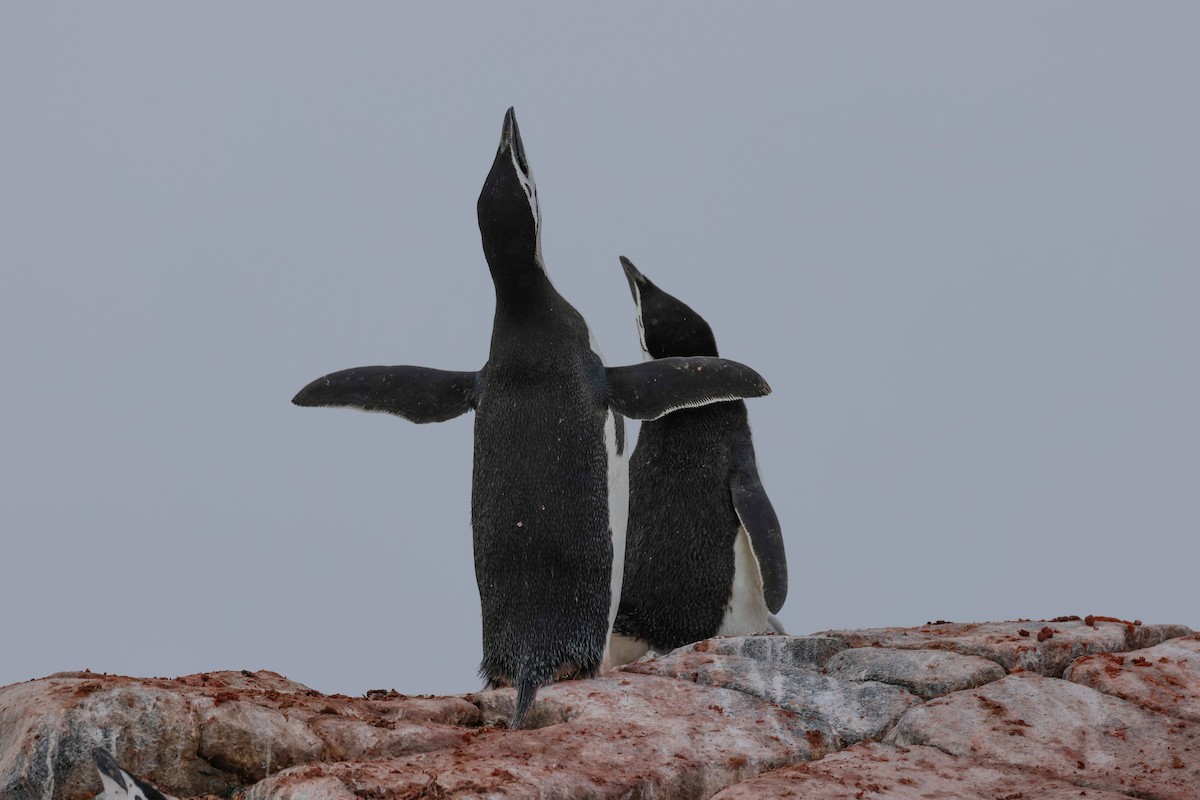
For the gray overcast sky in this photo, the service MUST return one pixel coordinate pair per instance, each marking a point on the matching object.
(961, 242)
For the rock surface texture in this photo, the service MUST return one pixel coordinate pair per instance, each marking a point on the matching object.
(1094, 707)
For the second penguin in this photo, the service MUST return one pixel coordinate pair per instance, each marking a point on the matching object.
(704, 554)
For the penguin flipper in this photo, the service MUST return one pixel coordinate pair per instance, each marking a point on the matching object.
(652, 389)
(757, 516)
(119, 784)
(418, 394)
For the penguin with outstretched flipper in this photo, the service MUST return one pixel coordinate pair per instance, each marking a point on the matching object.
(549, 490)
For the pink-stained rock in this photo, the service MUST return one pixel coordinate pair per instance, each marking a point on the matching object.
(48, 728)
(198, 734)
(613, 737)
(802, 652)
(743, 716)
(844, 711)
(1045, 647)
(873, 770)
(927, 673)
(1164, 678)
(1064, 730)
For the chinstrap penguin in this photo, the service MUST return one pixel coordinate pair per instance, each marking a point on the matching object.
(704, 555)
(549, 489)
(119, 784)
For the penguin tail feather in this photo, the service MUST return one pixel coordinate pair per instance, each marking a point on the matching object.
(526, 691)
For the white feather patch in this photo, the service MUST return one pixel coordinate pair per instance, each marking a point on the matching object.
(618, 511)
(697, 404)
(618, 500)
(747, 609)
(530, 188)
(641, 325)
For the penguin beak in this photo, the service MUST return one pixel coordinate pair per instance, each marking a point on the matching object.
(510, 139)
(637, 281)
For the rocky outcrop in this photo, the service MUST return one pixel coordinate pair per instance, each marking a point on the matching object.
(1070, 731)
(955, 710)
(872, 770)
(1046, 647)
(1164, 678)
(841, 711)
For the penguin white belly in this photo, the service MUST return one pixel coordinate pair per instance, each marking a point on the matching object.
(618, 511)
(618, 506)
(747, 609)
(625, 650)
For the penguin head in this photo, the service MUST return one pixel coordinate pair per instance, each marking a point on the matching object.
(119, 784)
(666, 326)
(510, 220)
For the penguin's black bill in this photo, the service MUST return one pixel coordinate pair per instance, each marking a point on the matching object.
(510, 139)
(636, 279)
(108, 766)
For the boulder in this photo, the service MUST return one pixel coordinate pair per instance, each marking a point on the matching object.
(874, 770)
(927, 673)
(844, 711)
(1163, 678)
(597, 738)
(199, 734)
(1044, 647)
(1065, 730)
(611, 737)
(802, 652)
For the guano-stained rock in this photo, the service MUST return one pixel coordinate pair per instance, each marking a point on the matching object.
(1063, 729)
(1045, 647)
(198, 734)
(873, 770)
(927, 673)
(612, 737)
(1163, 678)
(742, 716)
(849, 711)
(801, 652)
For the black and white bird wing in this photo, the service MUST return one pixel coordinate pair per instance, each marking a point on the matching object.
(655, 388)
(119, 784)
(418, 394)
(758, 518)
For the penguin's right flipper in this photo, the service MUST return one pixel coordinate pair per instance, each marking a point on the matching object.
(757, 516)
(652, 389)
(119, 784)
(418, 394)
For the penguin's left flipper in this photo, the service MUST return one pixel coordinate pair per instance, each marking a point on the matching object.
(652, 389)
(418, 394)
(119, 784)
(757, 516)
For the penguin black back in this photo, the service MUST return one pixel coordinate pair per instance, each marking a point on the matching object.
(539, 500)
